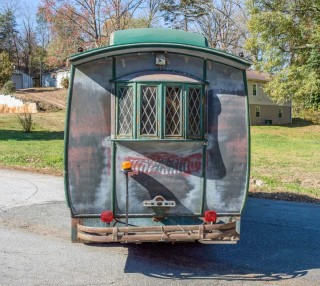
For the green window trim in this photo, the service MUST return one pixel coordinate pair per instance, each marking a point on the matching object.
(166, 110)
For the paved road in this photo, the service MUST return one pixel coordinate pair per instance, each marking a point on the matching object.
(279, 245)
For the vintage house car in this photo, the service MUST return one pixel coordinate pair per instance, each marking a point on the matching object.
(157, 140)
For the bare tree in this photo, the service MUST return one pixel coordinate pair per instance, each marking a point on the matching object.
(120, 14)
(151, 11)
(28, 41)
(6, 5)
(225, 25)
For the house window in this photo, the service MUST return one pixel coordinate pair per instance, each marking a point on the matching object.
(257, 111)
(160, 110)
(254, 89)
(280, 112)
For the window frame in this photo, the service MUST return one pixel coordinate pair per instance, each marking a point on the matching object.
(254, 89)
(280, 112)
(132, 134)
(160, 110)
(182, 110)
(138, 134)
(187, 107)
(258, 111)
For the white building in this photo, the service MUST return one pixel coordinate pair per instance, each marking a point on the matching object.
(54, 79)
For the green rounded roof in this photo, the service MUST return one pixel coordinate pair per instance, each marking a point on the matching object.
(152, 35)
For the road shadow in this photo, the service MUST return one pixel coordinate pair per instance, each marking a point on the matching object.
(283, 196)
(273, 247)
(17, 135)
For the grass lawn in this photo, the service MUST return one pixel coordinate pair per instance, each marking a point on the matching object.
(40, 150)
(285, 160)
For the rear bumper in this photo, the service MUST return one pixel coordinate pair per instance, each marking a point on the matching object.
(204, 233)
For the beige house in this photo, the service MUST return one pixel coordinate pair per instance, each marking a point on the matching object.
(263, 111)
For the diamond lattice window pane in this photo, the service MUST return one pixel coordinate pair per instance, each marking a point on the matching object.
(148, 125)
(173, 111)
(125, 110)
(194, 112)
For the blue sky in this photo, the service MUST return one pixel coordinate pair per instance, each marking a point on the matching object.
(23, 8)
(31, 2)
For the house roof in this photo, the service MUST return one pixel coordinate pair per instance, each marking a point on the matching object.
(255, 75)
(58, 70)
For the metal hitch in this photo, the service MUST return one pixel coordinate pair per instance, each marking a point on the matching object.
(158, 202)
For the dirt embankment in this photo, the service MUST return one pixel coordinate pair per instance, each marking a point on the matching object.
(47, 99)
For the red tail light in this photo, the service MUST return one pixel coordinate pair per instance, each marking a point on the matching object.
(210, 216)
(107, 216)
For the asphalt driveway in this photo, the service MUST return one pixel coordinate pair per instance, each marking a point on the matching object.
(279, 245)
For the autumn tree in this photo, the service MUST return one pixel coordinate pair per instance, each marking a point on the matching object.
(90, 17)
(78, 19)
(180, 14)
(85, 23)
(66, 39)
(285, 40)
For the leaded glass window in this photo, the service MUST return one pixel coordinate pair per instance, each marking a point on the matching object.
(194, 112)
(159, 110)
(173, 111)
(148, 116)
(125, 104)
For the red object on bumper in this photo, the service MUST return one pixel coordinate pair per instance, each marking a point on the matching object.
(107, 216)
(210, 216)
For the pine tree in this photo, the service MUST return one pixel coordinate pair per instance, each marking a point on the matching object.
(6, 68)
(8, 33)
(179, 14)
